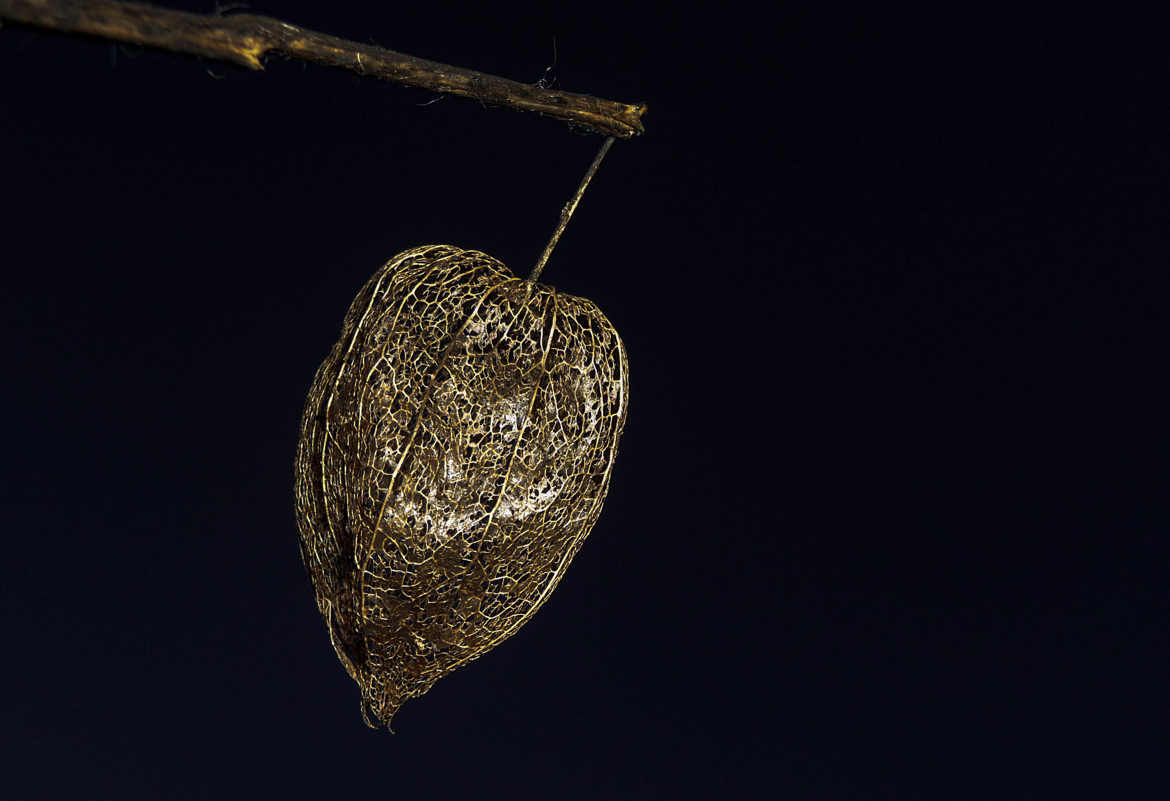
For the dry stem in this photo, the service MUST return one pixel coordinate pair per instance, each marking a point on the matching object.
(244, 39)
(569, 208)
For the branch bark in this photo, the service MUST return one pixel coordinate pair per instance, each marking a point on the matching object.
(244, 39)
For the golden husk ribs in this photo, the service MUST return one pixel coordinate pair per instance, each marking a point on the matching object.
(455, 451)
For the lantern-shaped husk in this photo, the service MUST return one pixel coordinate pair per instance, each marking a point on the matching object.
(455, 451)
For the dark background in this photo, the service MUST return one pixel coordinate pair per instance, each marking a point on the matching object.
(889, 517)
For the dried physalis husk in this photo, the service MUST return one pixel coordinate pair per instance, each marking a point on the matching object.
(455, 451)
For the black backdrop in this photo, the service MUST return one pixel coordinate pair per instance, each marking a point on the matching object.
(889, 517)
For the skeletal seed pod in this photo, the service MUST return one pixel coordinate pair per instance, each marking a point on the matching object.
(455, 451)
